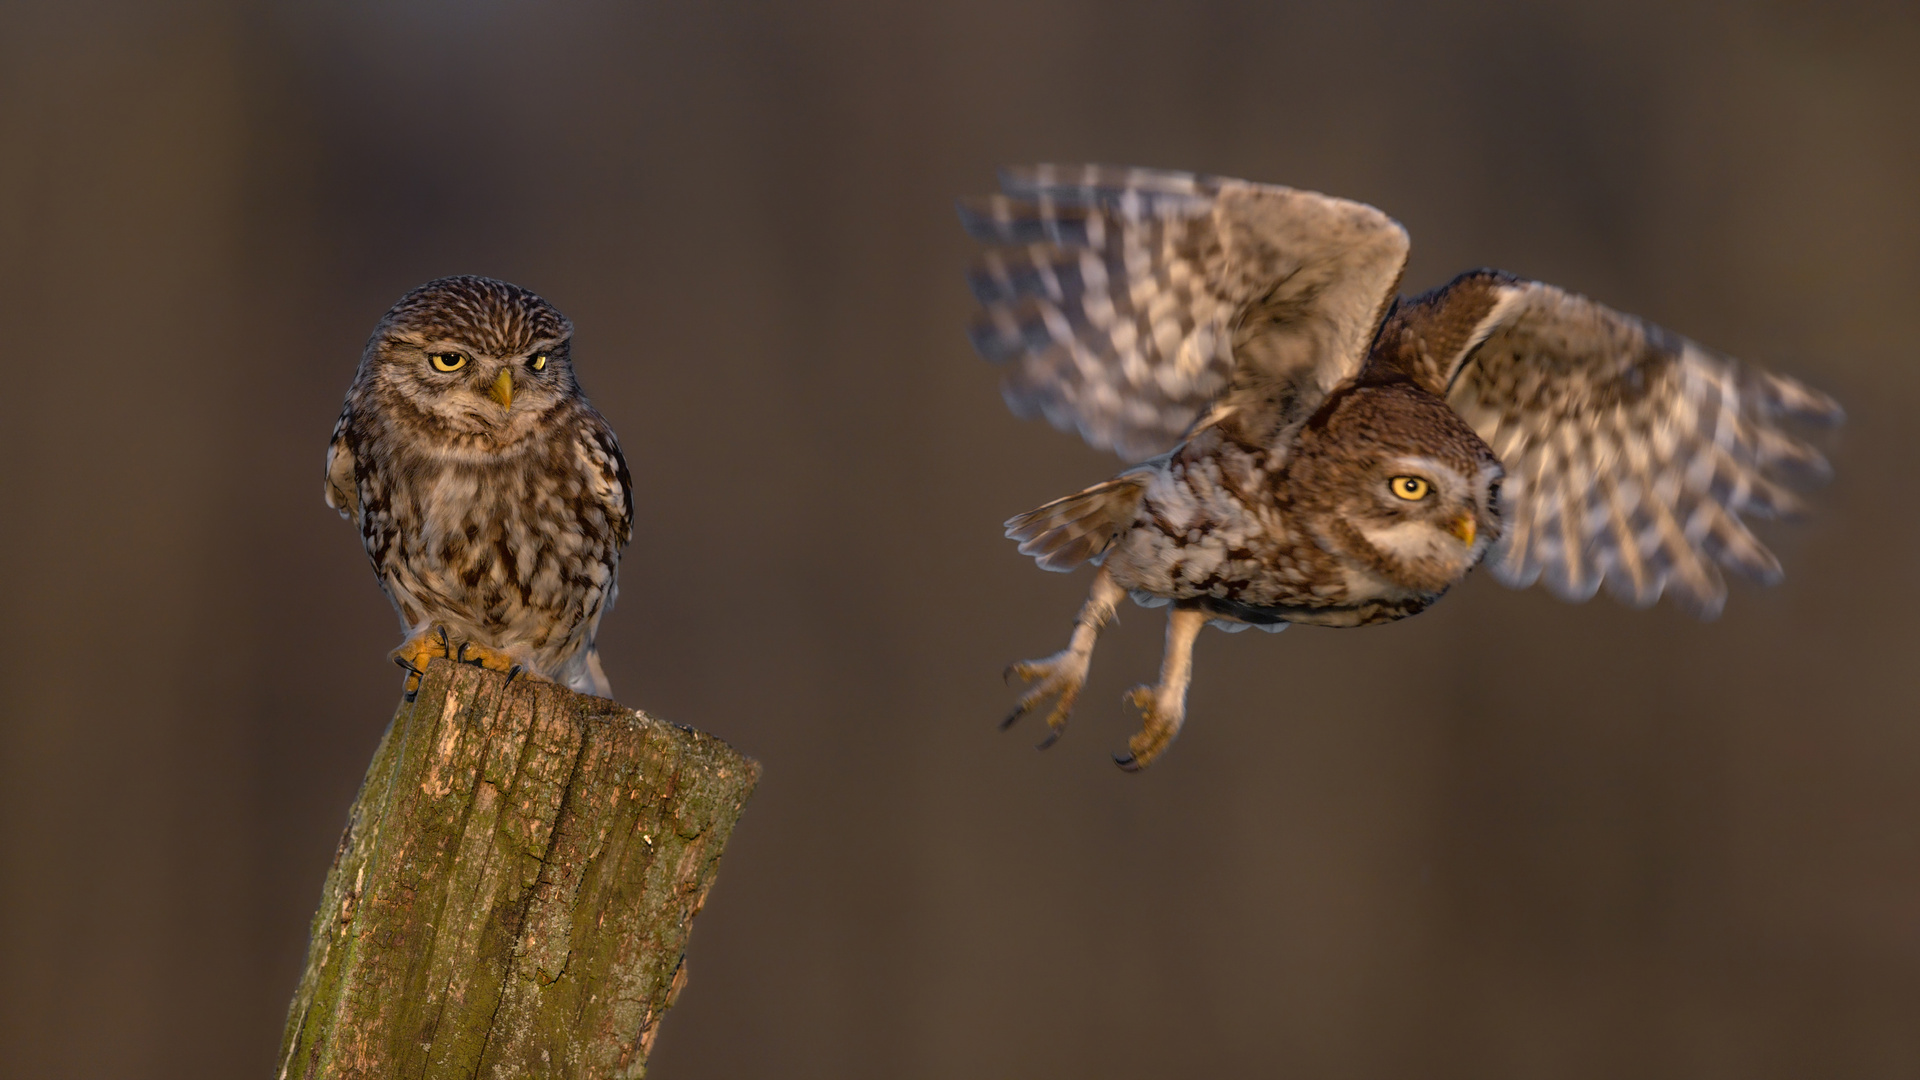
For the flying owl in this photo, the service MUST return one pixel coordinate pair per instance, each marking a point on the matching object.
(491, 498)
(1313, 448)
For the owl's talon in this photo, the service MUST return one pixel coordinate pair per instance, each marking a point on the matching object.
(410, 686)
(1053, 736)
(1160, 722)
(1163, 707)
(415, 653)
(484, 656)
(1059, 677)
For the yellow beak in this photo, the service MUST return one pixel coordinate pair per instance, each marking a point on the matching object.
(1463, 528)
(502, 390)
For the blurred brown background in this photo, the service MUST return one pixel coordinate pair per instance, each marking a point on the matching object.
(1510, 838)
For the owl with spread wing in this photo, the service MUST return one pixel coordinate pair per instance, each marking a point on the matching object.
(1313, 448)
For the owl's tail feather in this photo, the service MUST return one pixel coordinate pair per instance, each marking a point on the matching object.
(596, 676)
(1067, 532)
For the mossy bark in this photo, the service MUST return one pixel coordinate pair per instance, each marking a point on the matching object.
(514, 889)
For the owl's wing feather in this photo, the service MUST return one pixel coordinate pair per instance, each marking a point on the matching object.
(608, 480)
(611, 487)
(1631, 453)
(1067, 532)
(343, 490)
(1128, 301)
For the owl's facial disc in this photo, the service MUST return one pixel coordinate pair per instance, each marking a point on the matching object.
(472, 391)
(1423, 519)
(472, 367)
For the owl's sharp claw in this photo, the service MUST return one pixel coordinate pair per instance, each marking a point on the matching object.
(513, 673)
(1127, 762)
(1013, 717)
(1053, 736)
(410, 686)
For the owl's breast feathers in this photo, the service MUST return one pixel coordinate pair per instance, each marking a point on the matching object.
(518, 549)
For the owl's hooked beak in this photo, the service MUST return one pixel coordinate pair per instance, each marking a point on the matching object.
(1463, 527)
(502, 389)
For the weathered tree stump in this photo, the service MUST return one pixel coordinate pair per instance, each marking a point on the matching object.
(514, 889)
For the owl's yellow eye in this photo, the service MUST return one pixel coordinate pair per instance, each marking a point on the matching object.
(447, 361)
(1410, 488)
(538, 363)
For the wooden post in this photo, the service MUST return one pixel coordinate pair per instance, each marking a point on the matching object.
(514, 889)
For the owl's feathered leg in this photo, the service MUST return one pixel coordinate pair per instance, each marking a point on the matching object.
(1164, 707)
(1065, 672)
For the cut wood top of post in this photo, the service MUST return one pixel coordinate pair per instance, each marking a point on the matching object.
(515, 887)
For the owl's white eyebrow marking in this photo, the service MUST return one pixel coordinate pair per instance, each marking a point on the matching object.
(1423, 463)
(1417, 540)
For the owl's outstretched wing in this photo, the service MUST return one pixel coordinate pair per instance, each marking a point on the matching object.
(1128, 301)
(1631, 453)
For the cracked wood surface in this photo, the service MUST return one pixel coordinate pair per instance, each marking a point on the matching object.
(514, 889)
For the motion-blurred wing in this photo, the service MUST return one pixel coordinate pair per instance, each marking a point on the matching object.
(1126, 301)
(1631, 452)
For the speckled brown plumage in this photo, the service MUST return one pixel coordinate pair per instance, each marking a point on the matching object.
(1319, 451)
(491, 498)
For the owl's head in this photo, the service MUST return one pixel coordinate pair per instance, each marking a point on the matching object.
(1393, 480)
(479, 362)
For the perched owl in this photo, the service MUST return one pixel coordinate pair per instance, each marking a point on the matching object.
(492, 499)
(1314, 449)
